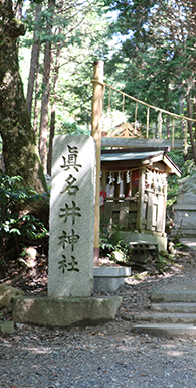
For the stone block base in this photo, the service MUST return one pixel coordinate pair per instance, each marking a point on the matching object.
(62, 312)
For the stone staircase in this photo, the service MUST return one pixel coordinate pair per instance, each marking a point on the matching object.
(172, 314)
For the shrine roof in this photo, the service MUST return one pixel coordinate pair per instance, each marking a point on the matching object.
(144, 156)
(112, 155)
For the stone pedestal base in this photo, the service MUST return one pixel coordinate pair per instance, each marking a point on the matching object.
(109, 279)
(62, 312)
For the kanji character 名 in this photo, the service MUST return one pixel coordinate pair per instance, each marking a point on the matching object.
(71, 188)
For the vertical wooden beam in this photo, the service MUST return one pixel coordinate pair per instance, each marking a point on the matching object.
(97, 102)
(136, 109)
(160, 124)
(103, 181)
(140, 206)
(164, 207)
(148, 120)
(173, 133)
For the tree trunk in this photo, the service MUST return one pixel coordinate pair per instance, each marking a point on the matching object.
(33, 65)
(35, 118)
(43, 132)
(19, 145)
(53, 108)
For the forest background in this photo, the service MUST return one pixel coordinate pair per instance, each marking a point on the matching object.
(148, 49)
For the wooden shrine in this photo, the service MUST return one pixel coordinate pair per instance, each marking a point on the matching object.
(134, 170)
(133, 192)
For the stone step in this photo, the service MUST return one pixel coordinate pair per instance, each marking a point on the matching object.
(169, 330)
(173, 314)
(166, 317)
(187, 296)
(174, 307)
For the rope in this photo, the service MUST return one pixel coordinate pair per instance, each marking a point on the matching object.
(123, 170)
(145, 103)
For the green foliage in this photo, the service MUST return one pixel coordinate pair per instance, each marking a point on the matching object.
(177, 157)
(72, 129)
(105, 242)
(110, 242)
(14, 225)
(163, 261)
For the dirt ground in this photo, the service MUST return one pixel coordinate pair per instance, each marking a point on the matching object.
(136, 291)
(102, 356)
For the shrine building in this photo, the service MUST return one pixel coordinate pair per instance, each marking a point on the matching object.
(134, 192)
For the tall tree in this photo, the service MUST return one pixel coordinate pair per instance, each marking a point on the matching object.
(43, 132)
(72, 46)
(19, 145)
(34, 60)
(53, 106)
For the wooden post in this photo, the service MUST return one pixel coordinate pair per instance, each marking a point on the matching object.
(140, 206)
(97, 101)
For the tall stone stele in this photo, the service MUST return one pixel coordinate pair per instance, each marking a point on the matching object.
(72, 217)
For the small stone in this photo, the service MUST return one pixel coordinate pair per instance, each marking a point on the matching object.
(7, 327)
(19, 325)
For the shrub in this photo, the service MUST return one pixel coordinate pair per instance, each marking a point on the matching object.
(15, 224)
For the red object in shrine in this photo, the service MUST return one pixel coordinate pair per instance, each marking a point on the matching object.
(135, 177)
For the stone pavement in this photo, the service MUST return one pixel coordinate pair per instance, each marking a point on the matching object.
(190, 242)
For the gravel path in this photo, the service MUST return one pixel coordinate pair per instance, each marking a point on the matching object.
(108, 355)
(95, 357)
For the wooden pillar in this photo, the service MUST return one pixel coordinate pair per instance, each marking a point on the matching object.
(140, 206)
(97, 101)
(164, 207)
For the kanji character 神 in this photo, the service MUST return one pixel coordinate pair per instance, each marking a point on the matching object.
(71, 239)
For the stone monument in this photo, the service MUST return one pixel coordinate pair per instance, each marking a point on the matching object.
(72, 217)
(185, 208)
